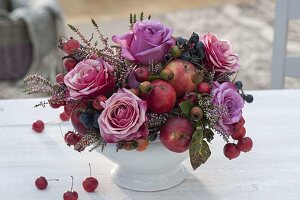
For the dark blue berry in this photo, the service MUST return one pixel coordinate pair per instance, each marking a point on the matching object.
(84, 117)
(88, 124)
(181, 42)
(249, 98)
(199, 49)
(185, 56)
(239, 84)
(95, 123)
(168, 57)
(194, 38)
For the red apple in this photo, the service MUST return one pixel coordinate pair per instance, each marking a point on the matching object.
(162, 97)
(182, 80)
(176, 134)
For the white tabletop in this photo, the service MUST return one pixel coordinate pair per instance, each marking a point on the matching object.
(270, 171)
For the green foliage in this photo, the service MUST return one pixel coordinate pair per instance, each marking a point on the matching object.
(186, 107)
(199, 150)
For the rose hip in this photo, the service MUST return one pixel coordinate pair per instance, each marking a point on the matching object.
(142, 144)
(231, 151)
(70, 46)
(59, 78)
(203, 88)
(69, 64)
(245, 144)
(141, 74)
(238, 133)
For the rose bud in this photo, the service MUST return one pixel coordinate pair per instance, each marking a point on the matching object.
(145, 87)
(175, 51)
(166, 74)
(196, 113)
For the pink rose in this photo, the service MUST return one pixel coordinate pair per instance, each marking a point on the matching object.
(149, 40)
(123, 117)
(219, 54)
(89, 78)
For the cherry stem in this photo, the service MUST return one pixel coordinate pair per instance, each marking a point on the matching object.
(72, 183)
(90, 169)
(53, 179)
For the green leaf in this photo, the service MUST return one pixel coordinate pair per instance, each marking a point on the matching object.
(186, 107)
(199, 149)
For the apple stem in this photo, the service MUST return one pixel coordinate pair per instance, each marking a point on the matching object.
(72, 183)
(90, 169)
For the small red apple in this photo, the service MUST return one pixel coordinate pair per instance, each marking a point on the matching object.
(176, 134)
(162, 97)
(182, 80)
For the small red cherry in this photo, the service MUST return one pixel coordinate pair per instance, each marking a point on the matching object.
(240, 123)
(41, 182)
(71, 195)
(69, 64)
(72, 138)
(63, 116)
(97, 102)
(238, 133)
(231, 151)
(70, 46)
(141, 74)
(90, 184)
(59, 78)
(203, 88)
(38, 126)
(245, 144)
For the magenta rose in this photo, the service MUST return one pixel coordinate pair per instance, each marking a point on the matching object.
(149, 40)
(226, 96)
(219, 54)
(123, 117)
(89, 78)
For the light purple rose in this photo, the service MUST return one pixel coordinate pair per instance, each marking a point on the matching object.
(219, 54)
(90, 78)
(149, 40)
(226, 96)
(123, 117)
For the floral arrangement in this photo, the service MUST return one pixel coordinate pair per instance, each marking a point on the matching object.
(150, 86)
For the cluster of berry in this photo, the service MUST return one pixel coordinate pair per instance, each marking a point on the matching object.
(244, 144)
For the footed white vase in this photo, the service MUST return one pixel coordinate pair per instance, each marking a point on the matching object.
(154, 169)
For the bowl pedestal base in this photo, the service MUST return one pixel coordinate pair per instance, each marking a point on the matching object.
(133, 180)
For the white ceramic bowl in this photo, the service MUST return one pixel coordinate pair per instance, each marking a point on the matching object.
(154, 169)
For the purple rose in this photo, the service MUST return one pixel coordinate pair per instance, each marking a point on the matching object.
(219, 54)
(226, 96)
(123, 117)
(149, 40)
(89, 78)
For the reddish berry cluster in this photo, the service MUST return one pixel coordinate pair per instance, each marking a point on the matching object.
(244, 144)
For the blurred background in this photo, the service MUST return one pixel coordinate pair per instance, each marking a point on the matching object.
(29, 31)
